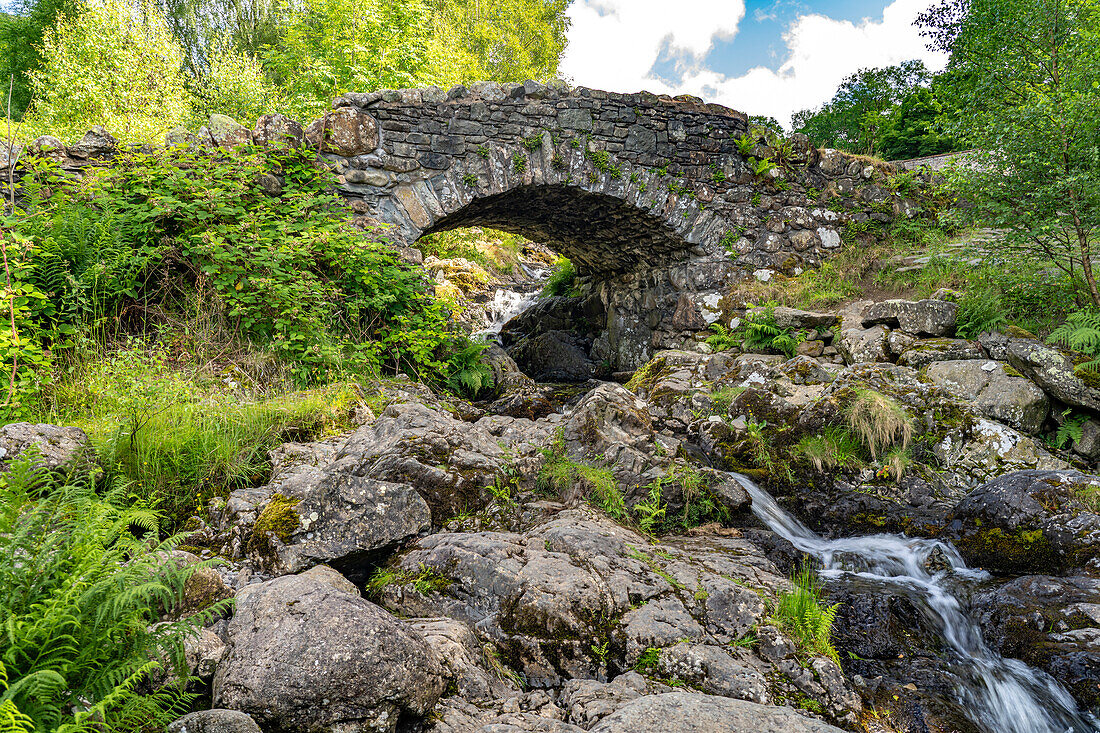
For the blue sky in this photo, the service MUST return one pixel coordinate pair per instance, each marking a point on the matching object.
(771, 57)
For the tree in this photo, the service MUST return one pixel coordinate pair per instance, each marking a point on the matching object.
(496, 40)
(328, 47)
(1033, 111)
(21, 33)
(855, 117)
(234, 84)
(113, 64)
(915, 128)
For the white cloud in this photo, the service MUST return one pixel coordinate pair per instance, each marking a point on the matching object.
(821, 52)
(613, 44)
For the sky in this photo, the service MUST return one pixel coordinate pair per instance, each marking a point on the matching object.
(763, 57)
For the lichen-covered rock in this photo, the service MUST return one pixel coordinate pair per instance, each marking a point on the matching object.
(1052, 370)
(920, 318)
(921, 353)
(60, 450)
(472, 667)
(304, 657)
(277, 131)
(346, 131)
(994, 393)
(515, 394)
(316, 516)
(857, 343)
(1030, 521)
(1052, 623)
(214, 721)
(686, 712)
(227, 132)
(714, 670)
(799, 320)
(550, 596)
(97, 142)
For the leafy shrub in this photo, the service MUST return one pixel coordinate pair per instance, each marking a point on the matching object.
(803, 615)
(81, 591)
(562, 280)
(287, 272)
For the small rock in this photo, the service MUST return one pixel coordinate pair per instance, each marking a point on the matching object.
(923, 318)
(214, 721)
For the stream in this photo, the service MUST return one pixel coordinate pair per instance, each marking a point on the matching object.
(998, 695)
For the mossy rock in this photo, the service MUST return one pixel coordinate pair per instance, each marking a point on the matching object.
(278, 518)
(1014, 551)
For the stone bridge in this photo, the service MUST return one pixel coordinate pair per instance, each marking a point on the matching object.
(660, 202)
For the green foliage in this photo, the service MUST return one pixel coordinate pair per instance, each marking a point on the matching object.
(560, 475)
(469, 375)
(651, 510)
(802, 614)
(519, 162)
(487, 247)
(745, 145)
(328, 47)
(82, 588)
(1070, 431)
(723, 398)
(562, 280)
(604, 163)
(722, 339)
(1081, 333)
(113, 64)
(286, 273)
(177, 440)
(980, 310)
(233, 84)
(647, 661)
(22, 28)
(832, 448)
(1035, 173)
(759, 330)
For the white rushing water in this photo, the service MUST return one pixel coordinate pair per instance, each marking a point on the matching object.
(507, 304)
(999, 695)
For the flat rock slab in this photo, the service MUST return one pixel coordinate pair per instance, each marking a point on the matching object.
(685, 712)
(920, 317)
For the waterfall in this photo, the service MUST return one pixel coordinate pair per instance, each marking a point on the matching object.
(999, 695)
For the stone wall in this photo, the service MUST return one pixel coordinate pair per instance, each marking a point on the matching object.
(659, 201)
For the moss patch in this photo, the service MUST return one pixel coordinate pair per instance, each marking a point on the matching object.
(1015, 551)
(278, 517)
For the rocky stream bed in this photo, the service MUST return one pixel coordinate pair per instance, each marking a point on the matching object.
(430, 571)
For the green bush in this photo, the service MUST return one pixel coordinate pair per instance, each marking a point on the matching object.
(560, 474)
(287, 273)
(83, 584)
(1081, 333)
(562, 280)
(759, 330)
(980, 310)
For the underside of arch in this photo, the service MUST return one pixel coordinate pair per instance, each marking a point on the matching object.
(598, 232)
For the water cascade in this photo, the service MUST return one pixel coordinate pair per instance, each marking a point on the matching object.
(999, 695)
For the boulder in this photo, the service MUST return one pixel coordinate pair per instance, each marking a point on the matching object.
(316, 516)
(1038, 521)
(859, 345)
(347, 131)
(554, 356)
(96, 142)
(214, 721)
(536, 595)
(227, 132)
(686, 712)
(714, 670)
(474, 669)
(61, 450)
(579, 315)
(923, 352)
(179, 137)
(1052, 623)
(514, 393)
(800, 320)
(305, 657)
(994, 393)
(275, 131)
(920, 318)
(1052, 370)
